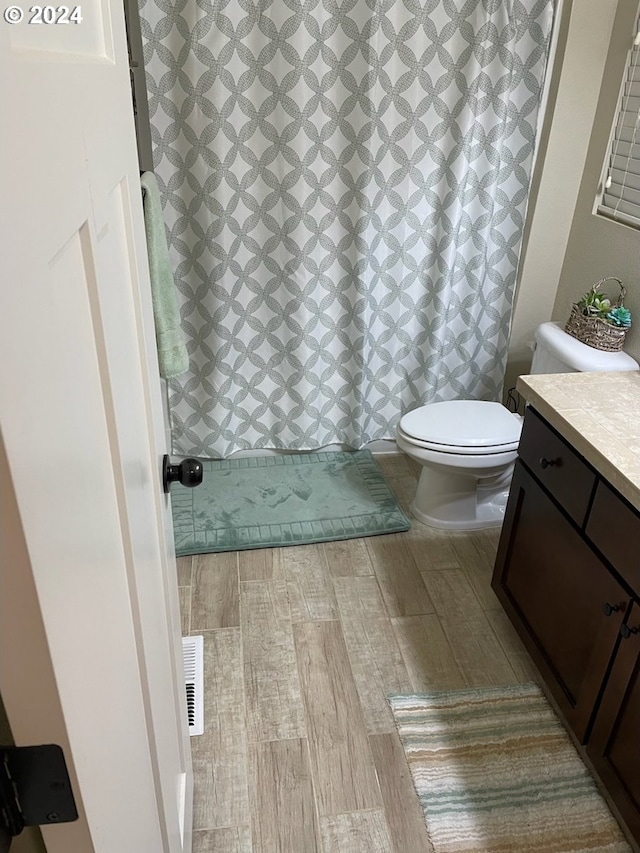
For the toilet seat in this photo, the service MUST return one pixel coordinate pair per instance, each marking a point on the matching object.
(456, 450)
(462, 427)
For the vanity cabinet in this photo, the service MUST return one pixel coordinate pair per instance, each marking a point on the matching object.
(557, 589)
(568, 575)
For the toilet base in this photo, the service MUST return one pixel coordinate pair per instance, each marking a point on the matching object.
(488, 516)
(457, 502)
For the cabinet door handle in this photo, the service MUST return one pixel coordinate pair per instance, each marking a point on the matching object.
(626, 632)
(548, 463)
(608, 609)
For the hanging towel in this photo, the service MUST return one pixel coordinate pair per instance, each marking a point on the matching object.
(172, 351)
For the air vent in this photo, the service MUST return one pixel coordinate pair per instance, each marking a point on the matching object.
(193, 655)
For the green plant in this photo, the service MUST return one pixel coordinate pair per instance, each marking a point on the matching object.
(619, 317)
(595, 304)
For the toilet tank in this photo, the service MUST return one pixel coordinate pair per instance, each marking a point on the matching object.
(558, 352)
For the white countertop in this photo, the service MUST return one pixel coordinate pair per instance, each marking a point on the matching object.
(599, 414)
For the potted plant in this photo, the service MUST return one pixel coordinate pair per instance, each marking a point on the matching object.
(598, 322)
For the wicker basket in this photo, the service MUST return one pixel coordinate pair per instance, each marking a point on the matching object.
(594, 331)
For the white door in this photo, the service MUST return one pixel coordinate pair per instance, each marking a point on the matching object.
(81, 420)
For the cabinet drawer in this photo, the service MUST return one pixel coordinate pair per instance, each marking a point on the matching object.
(614, 528)
(557, 466)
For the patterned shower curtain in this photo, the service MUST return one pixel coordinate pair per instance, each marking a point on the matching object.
(344, 185)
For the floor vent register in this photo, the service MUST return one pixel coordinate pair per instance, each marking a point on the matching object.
(193, 654)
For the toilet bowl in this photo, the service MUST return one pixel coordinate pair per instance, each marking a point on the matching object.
(467, 448)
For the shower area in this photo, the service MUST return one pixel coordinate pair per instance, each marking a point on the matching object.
(344, 186)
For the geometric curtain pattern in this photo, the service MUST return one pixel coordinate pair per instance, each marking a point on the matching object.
(344, 185)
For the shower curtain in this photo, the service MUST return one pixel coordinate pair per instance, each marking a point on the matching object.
(344, 186)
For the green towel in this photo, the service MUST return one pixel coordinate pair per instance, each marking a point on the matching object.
(172, 351)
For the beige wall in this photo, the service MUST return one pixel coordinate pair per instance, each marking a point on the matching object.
(584, 36)
(598, 247)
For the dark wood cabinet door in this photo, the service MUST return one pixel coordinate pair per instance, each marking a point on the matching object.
(614, 745)
(555, 590)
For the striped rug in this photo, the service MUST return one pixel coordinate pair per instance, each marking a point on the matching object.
(496, 772)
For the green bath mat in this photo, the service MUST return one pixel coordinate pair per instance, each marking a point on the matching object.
(270, 501)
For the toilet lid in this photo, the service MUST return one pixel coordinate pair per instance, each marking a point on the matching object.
(463, 423)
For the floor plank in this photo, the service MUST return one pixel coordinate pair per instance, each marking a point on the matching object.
(376, 661)
(348, 558)
(219, 755)
(341, 760)
(184, 593)
(282, 799)
(184, 570)
(400, 581)
(519, 658)
(401, 804)
(452, 594)
(477, 557)
(488, 541)
(257, 564)
(427, 654)
(477, 652)
(479, 576)
(415, 467)
(395, 465)
(359, 832)
(309, 586)
(479, 656)
(473, 549)
(432, 549)
(236, 839)
(215, 600)
(404, 491)
(274, 703)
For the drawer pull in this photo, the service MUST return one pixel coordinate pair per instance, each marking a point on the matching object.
(608, 609)
(626, 632)
(549, 463)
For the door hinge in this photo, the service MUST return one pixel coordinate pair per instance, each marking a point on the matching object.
(34, 788)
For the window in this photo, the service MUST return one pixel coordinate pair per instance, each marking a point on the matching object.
(621, 177)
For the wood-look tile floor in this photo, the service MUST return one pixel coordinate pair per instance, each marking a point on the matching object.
(302, 646)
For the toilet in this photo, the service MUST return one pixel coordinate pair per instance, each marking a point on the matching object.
(467, 448)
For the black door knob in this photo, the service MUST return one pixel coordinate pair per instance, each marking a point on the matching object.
(187, 473)
(626, 632)
(608, 609)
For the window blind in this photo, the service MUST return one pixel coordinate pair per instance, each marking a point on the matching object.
(621, 179)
